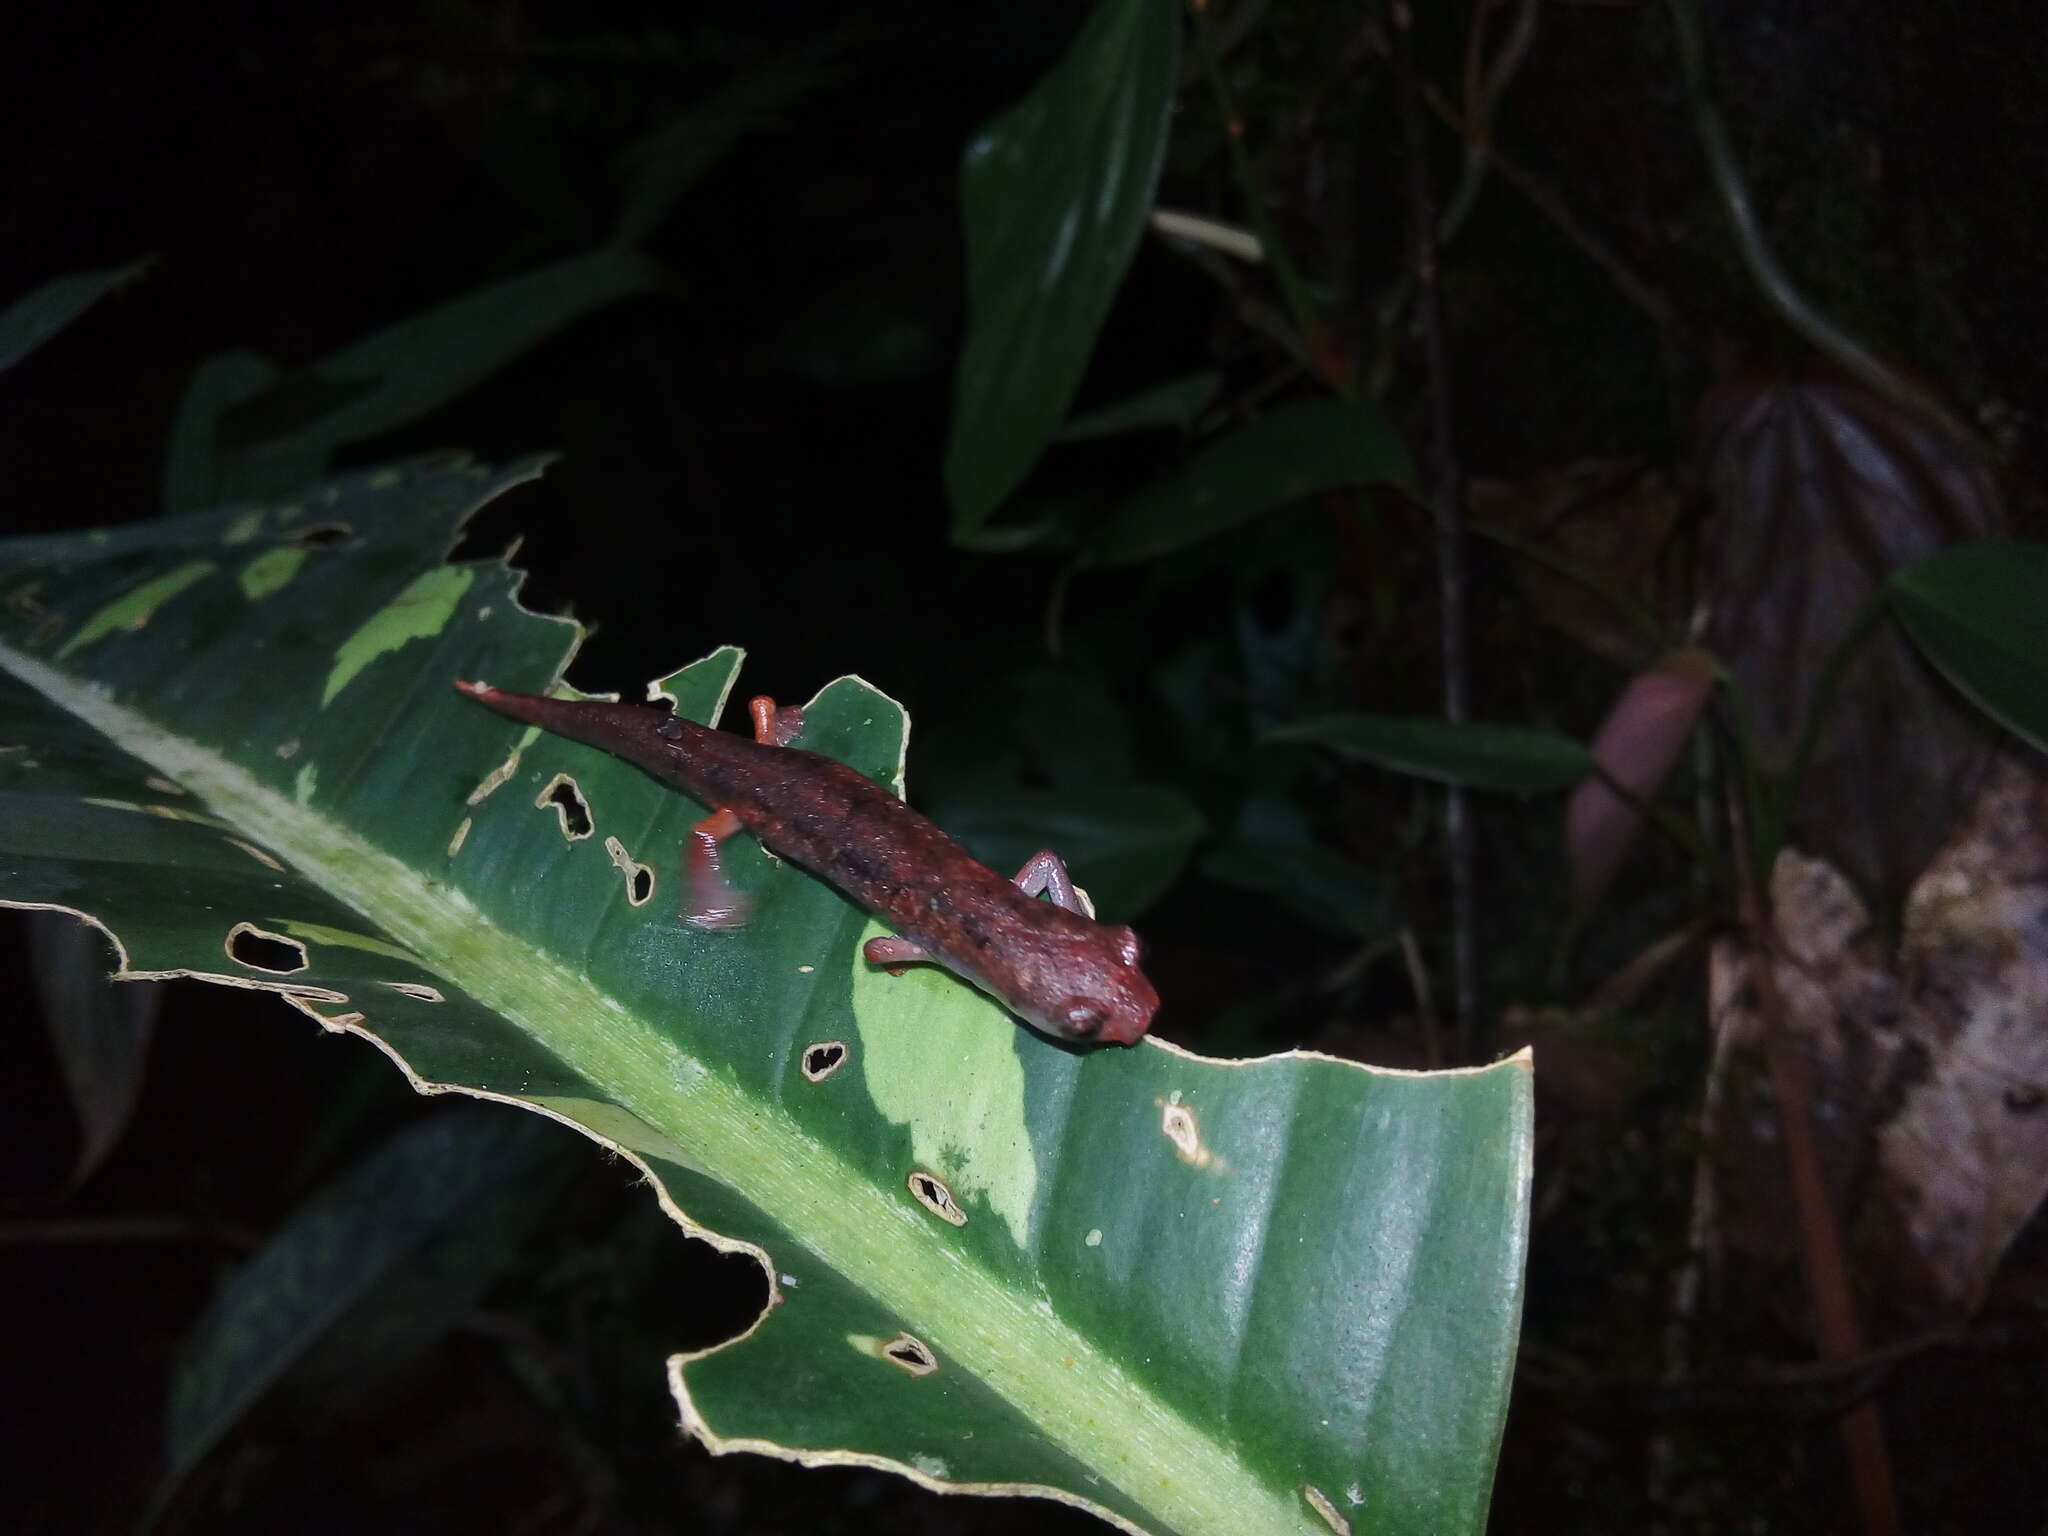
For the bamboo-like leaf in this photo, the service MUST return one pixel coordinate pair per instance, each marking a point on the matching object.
(246, 429)
(661, 166)
(1176, 403)
(1290, 452)
(1194, 1296)
(1510, 757)
(36, 317)
(1054, 194)
(1317, 883)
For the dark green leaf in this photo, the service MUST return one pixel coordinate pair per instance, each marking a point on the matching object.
(665, 163)
(194, 475)
(1979, 612)
(1124, 843)
(269, 438)
(1176, 403)
(1482, 756)
(1054, 194)
(1288, 453)
(425, 1202)
(1205, 1297)
(1318, 884)
(42, 314)
(99, 1032)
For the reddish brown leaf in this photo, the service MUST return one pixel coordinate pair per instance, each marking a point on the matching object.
(1638, 744)
(1816, 491)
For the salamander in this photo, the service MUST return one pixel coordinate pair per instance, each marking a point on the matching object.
(1047, 961)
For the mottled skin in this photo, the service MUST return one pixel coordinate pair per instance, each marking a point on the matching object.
(1057, 969)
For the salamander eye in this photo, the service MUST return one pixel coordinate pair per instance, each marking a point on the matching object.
(1082, 1018)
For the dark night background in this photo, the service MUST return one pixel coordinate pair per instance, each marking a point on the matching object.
(754, 456)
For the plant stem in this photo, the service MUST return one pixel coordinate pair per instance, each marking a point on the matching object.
(1778, 814)
(1820, 1238)
(1445, 494)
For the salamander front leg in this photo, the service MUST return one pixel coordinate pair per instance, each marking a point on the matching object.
(709, 900)
(775, 727)
(1045, 871)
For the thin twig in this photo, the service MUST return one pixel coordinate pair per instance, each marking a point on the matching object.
(1445, 496)
(1633, 286)
(1485, 84)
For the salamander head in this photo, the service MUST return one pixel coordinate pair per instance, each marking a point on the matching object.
(1107, 1000)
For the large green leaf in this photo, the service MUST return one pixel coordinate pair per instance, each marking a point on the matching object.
(1196, 1296)
(1290, 452)
(1980, 613)
(247, 428)
(1054, 194)
(1511, 757)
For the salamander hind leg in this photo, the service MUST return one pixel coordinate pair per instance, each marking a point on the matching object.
(709, 900)
(893, 954)
(774, 727)
(1046, 872)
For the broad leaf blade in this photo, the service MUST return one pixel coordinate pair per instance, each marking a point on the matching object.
(1183, 1292)
(1290, 452)
(36, 317)
(1510, 757)
(1979, 612)
(1054, 194)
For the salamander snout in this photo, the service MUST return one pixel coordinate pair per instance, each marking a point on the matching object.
(1117, 1007)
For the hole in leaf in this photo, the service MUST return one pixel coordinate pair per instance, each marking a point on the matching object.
(823, 1059)
(569, 805)
(932, 1194)
(420, 990)
(639, 877)
(912, 1354)
(261, 950)
(323, 535)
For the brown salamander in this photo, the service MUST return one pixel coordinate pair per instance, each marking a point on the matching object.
(1047, 961)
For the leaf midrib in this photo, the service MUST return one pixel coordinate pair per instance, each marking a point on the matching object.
(1191, 1482)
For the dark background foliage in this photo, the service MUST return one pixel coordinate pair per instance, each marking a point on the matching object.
(753, 455)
